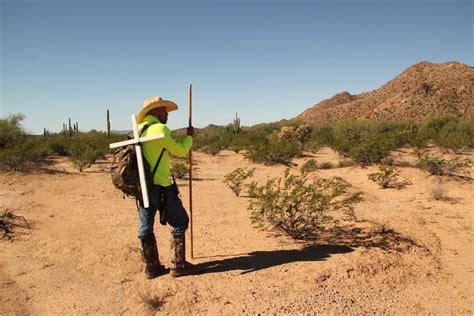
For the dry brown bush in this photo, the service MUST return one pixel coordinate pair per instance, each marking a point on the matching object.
(8, 220)
(151, 302)
(439, 192)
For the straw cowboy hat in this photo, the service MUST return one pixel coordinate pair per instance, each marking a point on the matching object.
(153, 103)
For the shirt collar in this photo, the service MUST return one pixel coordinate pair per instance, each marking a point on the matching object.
(151, 118)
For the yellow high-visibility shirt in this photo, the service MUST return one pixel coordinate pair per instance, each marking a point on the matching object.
(152, 149)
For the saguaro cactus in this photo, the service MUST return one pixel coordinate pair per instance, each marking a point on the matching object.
(108, 124)
(70, 128)
(236, 124)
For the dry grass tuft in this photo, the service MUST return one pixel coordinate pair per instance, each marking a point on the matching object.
(346, 163)
(151, 302)
(325, 165)
(440, 192)
(8, 220)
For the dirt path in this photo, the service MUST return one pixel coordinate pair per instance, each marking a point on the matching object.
(82, 254)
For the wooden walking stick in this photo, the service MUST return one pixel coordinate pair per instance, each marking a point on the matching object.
(190, 111)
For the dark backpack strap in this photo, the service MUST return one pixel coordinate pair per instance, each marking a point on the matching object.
(158, 162)
(144, 128)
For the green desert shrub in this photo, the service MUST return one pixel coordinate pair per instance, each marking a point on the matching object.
(398, 134)
(85, 148)
(82, 156)
(309, 166)
(96, 142)
(19, 151)
(58, 144)
(23, 156)
(274, 151)
(252, 189)
(212, 149)
(371, 150)
(236, 178)
(366, 142)
(213, 139)
(448, 132)
(297, 207)
(456, 135)
(386, 177)
(11, 131)
(216, 138)
(439, 166)
(429, 129)
(319, 137)
(348, 134)
(249, 138)
(236, 148)
(179, 169)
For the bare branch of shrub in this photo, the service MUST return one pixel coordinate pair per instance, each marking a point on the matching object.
(454, 168)
(235, 179)
(8, 220)
(152, 302)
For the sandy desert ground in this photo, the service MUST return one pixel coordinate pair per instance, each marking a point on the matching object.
(408, 253)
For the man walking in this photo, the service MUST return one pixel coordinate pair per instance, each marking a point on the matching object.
(163, 194)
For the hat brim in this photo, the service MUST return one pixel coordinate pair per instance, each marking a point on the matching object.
(169, 105)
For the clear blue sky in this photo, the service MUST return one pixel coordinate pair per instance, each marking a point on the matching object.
(266, 60)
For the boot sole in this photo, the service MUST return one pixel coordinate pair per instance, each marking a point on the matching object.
(175, 274)
(184, 272)
(156, 274)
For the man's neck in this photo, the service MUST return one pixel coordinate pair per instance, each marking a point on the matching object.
(156, 118)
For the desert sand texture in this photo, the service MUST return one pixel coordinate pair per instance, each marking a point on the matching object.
(406, 253)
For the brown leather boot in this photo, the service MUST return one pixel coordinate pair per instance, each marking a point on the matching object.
(179, 265)
(150, 257)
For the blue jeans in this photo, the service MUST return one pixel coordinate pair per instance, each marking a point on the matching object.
(176, 215)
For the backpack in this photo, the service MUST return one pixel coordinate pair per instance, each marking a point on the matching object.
(124, 169)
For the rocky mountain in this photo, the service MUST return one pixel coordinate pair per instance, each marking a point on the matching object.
(422, 91)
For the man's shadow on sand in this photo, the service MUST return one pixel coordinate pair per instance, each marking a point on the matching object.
(259, 260)
(331, 242)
